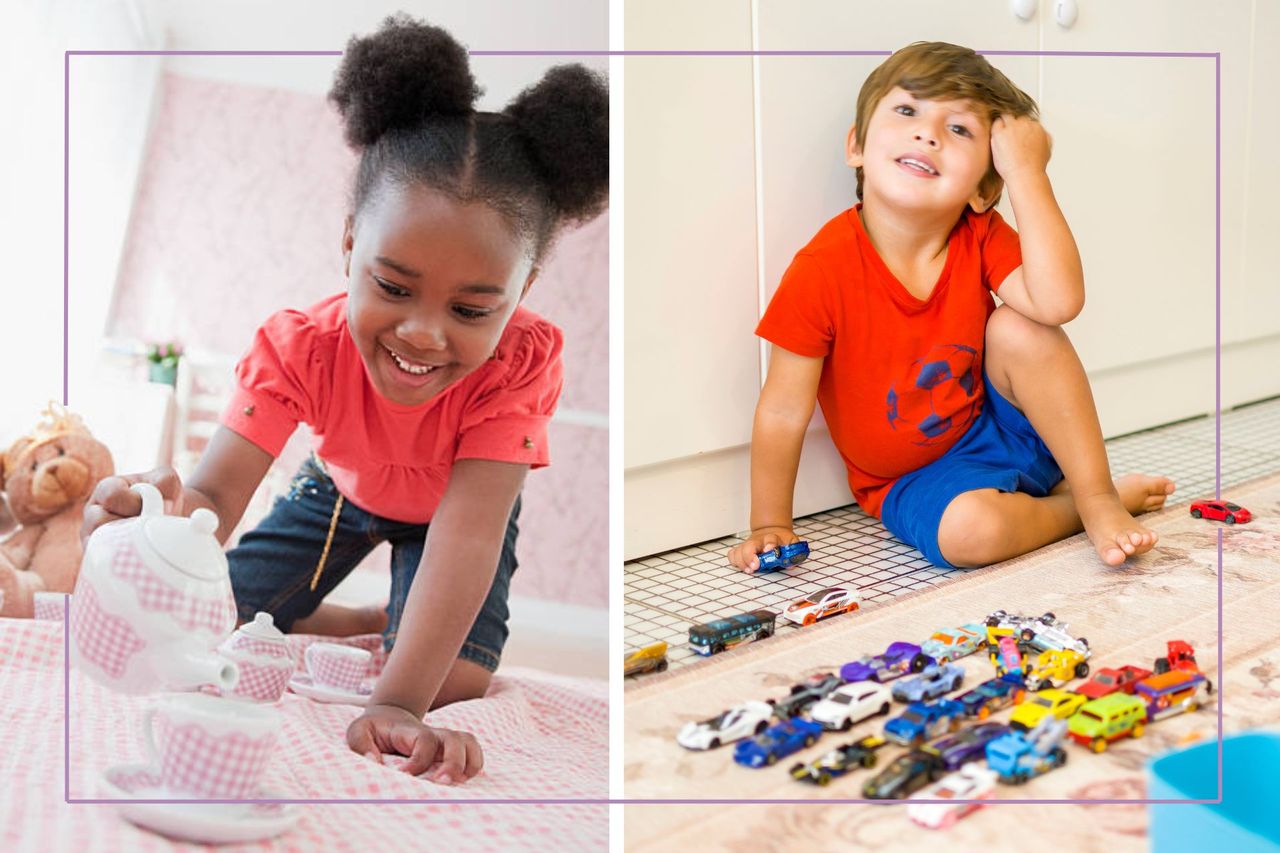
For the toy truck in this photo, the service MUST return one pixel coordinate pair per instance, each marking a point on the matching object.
(1181, 656)
(1019, 757)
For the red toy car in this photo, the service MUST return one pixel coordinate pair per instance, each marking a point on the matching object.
(1221, 511)
(1181, 656)
(1107, 681)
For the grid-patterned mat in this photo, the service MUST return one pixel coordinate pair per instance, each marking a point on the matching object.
(666, 593)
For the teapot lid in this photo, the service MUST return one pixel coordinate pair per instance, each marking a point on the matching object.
(262, 627)
(188, 544)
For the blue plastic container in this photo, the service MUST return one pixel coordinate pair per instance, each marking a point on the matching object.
(1247, 819)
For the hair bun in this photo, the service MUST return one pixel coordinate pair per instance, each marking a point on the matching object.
(396, 77)
(565, 120)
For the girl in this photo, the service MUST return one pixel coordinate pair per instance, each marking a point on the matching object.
(426, 385)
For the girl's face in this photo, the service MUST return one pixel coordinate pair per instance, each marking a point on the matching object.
(431, 284)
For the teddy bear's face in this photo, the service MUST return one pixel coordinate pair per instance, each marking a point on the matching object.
(43, 478)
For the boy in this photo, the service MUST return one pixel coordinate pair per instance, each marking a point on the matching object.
(970, 430)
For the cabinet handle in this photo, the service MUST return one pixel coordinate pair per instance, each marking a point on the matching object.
(1023, 10)
(1066, 12)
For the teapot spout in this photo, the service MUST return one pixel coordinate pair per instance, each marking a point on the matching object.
(190, 669)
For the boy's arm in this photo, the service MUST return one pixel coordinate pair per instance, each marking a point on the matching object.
(777, 436)
(457, 569)
(1049, 286)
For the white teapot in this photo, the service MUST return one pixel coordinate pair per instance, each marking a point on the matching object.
(153, 602)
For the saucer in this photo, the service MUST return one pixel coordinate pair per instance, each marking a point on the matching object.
(209, 823)
(303, 684)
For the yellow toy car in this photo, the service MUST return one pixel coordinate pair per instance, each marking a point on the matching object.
(1058, 703)
(1059, 665)
(649, 659)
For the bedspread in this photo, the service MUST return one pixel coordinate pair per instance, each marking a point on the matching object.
(544, 736)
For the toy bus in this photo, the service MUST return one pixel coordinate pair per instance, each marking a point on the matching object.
(722, 634)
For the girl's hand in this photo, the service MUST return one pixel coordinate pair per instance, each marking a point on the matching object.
(446, 756)
(1019, 146)
(745, 556)
(112, 499)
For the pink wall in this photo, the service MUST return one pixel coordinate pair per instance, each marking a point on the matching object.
(239, 213)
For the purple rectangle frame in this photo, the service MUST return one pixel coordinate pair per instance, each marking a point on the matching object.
(1217, 60)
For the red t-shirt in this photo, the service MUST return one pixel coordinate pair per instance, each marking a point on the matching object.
(902, 380)
(389, 459)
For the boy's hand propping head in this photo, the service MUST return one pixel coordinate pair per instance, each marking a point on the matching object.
(1019, 146)
(745, 556)
(445, 756)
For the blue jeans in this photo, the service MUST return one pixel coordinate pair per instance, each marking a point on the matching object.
(272, 567)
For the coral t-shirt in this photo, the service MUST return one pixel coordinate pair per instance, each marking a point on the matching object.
(902, 379)
(390, 459)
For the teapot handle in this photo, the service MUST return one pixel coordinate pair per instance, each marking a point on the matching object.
(152, 501)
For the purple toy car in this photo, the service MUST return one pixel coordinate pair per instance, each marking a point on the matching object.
(967, 745)
(897, 660)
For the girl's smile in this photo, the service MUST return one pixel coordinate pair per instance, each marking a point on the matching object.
(432, 283)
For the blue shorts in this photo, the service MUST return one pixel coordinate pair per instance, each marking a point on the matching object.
(1000, 451)
(271, 568)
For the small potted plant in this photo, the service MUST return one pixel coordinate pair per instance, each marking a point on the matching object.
(163, 362)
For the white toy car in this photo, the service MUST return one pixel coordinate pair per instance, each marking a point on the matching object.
(971, 782)
(821, 604)
(1044, 632)
(749, 718)
(852, 703)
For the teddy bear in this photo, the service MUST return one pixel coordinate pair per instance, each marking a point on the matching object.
(47, 478)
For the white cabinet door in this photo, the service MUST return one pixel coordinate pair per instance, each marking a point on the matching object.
(1134, 170)
(692, 370)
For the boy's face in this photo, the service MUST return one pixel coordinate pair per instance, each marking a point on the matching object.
(923, 155)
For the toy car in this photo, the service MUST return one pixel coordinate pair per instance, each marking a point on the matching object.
(1008, 655)
(805, 693)
(1062, 665)
(851, 703)
(821, 604)
(971, 782)
(1100, 721)
(782, 557)
(924, 720)
(1221, 511)
(955, 643)
(929, 684)
(716, 636)
(904, 775)
(897, 660)
(652, 658)
(966, 745)
(1174, 692)
(1021, 756)
(839, 761)
(776, 742)
(992, 695)
(1107, 681)
(1180, 656)
(750, 717)
(1044, 632)
(1056, 703)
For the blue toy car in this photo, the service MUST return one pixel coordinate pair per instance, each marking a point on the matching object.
(924, 720)
(783, 557)
(776, 742)
(953, 643)
(992, 695)
(897, 660)
(930, 684)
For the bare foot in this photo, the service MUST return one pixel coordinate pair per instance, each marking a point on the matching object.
(335, 620)
(1108, 518)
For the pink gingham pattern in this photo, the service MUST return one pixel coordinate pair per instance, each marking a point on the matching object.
(334, 669)
(50, 606)
(102, 638)
(201, 763)
(544, 736)
(262, 682)
(216, 615)
(242, 642)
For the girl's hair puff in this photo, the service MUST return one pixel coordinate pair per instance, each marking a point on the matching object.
(406, 95)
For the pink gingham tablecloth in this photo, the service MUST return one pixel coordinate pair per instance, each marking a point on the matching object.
(544, 737)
